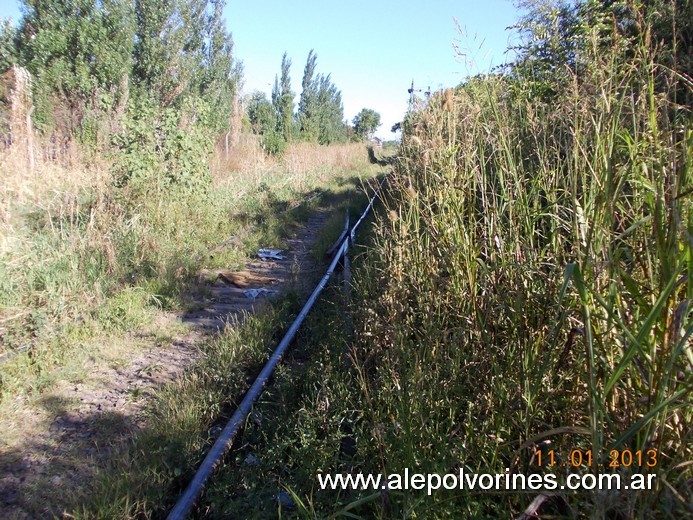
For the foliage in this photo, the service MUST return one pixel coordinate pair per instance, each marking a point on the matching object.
(182, 48)
(263, 121)
(283, 100)
(160, 149)
(320, 109)
(307, 105)
(365, 123)
(94, 60)
(169, 47)
(78, 52)
(330, 112)
(550, 41)
(8, 50)
(260, 113)
(273, 142)
(221, 73)
(554, 46)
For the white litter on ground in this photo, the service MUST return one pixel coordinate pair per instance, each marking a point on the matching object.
(270, 254)
(254, 293)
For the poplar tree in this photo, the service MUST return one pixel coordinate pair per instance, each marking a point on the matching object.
(330, 112)
(307, 106)
(283, 100)
(221, 74)
(8, 50)
(169, 51)
(320, 110)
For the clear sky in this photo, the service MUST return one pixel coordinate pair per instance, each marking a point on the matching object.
(373, 49)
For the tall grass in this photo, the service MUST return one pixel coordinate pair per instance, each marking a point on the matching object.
(537, 264)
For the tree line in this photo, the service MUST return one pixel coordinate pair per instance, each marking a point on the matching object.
(154, 80)
(319, 115)
(159, 83)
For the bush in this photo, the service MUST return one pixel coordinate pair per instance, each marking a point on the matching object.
(273, 142)
(163, 148)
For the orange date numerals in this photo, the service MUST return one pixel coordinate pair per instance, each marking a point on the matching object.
(576, 458)
(547, 458)
(617, 458)
(632, 458)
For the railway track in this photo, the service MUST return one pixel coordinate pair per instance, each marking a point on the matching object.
(225, 439)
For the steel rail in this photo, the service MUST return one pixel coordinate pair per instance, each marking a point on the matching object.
(368, 208)
(225, 440)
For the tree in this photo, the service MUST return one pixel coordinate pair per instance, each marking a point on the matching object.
(320, 110)
(307, 105)
(283, 100)
(78, 54)
(365, 123)
(169, 50)
(8, 49)
(260, 113)
(75, 50)
(221, 74)
(330, 112)
(551, 35)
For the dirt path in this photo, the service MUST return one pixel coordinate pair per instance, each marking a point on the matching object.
(79, 425)
(229, 294)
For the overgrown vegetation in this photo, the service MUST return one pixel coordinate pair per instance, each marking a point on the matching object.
(528, 289)
(146, 476)
(123, 166)
(110, 115)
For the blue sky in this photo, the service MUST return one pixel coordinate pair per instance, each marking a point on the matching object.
(373, 49)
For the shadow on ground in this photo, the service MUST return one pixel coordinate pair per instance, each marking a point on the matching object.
(48, 475)
(380, 161)
(56, 471)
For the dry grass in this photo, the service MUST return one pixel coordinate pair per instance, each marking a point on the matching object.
(246, 156)
(303, 167)
(301, 157)
(47, 186)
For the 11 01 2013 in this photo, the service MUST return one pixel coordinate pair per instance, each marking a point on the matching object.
(616, 459)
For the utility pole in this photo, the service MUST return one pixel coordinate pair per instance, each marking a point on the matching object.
(412, 94)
